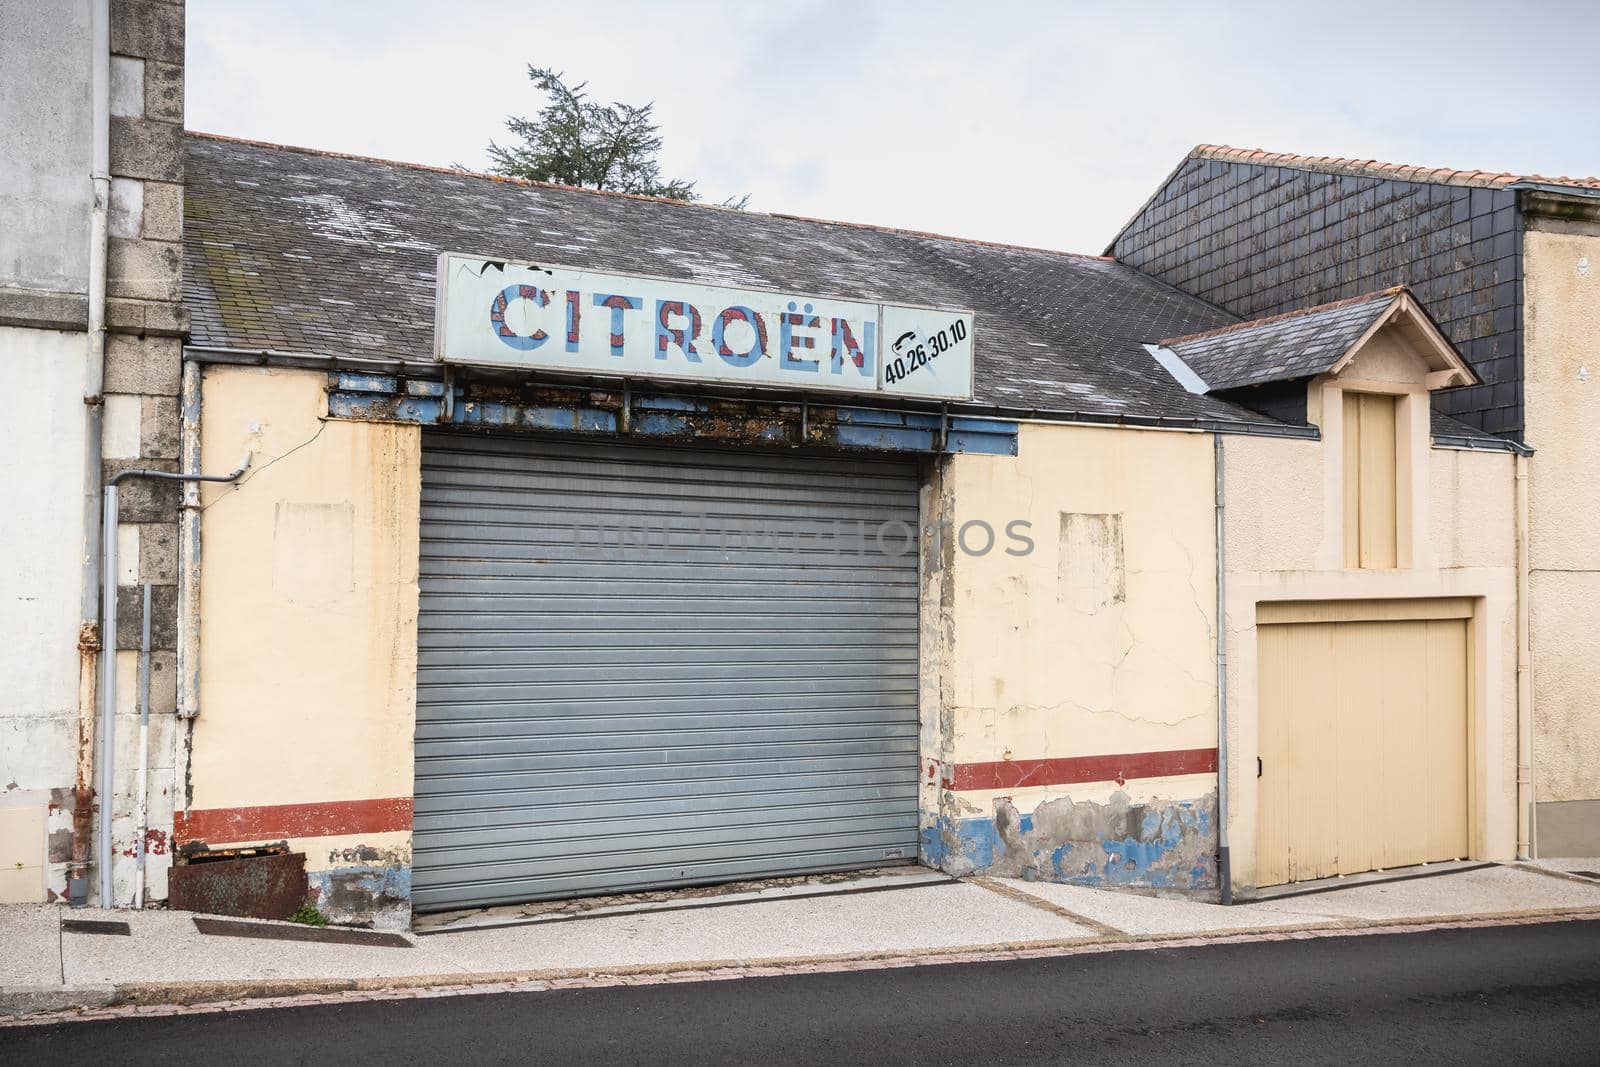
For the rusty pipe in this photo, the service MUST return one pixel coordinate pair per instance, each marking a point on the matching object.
(89, 636)
(83, 782)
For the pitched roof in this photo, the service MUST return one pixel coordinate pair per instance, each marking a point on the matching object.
(1299, 344)
(1311, 341)
(1393, 171)
(317, 253)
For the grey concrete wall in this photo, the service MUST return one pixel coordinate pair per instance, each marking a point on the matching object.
(44, 170)
(46, 79)
(145, 314)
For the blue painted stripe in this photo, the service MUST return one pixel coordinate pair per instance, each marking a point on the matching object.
(873, 417)
(888, 438)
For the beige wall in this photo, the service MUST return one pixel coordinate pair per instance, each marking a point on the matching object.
(1096, 642)
(1068, 649)
(309, 603)
(1561, 339)
(1284, 532)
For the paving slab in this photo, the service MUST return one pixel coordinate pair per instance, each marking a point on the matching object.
(165, 946)
(1479, 892)
(918, 919)
(30, 945)
(1139, 915)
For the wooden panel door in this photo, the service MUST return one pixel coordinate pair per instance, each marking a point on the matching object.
(1363, 745)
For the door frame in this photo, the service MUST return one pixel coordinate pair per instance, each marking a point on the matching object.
(1464, 609)
(1254, 597)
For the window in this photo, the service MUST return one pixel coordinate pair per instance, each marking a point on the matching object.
(1370, 503)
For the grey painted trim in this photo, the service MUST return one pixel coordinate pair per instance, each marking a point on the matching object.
(1551, 193)
(1181, 372)
(1459, 443)
(1568, 827)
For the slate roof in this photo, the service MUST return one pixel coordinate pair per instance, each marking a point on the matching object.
(317, 253)
(1298, 344)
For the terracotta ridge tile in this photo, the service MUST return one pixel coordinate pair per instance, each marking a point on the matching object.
(1376, 167)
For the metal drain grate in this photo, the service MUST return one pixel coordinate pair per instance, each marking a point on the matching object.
(95, 926)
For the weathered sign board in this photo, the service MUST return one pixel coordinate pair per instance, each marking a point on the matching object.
(496, 313)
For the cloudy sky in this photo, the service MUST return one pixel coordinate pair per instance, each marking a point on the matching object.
(1034, 123)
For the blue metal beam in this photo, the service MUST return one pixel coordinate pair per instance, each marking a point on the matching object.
(384, 398)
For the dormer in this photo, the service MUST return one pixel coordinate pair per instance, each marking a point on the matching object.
(1361, 370)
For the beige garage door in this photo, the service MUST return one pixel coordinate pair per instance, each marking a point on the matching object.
(1364, 737)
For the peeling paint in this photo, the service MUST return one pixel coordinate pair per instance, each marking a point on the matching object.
(497, 405)
(379, 897)
(369, 856)
(59, 846)
(1118, 843)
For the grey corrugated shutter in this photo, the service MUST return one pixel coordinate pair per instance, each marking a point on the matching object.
(598, 713)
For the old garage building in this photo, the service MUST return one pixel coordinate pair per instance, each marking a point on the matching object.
(1148, 597)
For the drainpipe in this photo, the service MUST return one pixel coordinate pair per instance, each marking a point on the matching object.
(89, 637)
(142, 790)
(1526, 845)
(1224, 860)
(189, 551)
(108, 626)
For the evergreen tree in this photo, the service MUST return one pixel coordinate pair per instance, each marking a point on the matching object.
(576, 141)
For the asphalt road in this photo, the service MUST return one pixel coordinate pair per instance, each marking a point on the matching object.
(1508, 995)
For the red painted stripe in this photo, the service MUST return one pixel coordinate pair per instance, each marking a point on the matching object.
(1011, 774)
(272, 821)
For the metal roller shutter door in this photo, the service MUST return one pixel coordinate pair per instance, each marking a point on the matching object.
(740, 704)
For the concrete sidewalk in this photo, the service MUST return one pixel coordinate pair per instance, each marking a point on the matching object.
(904, 916)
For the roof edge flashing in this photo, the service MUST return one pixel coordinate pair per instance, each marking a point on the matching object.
(1181, 372)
